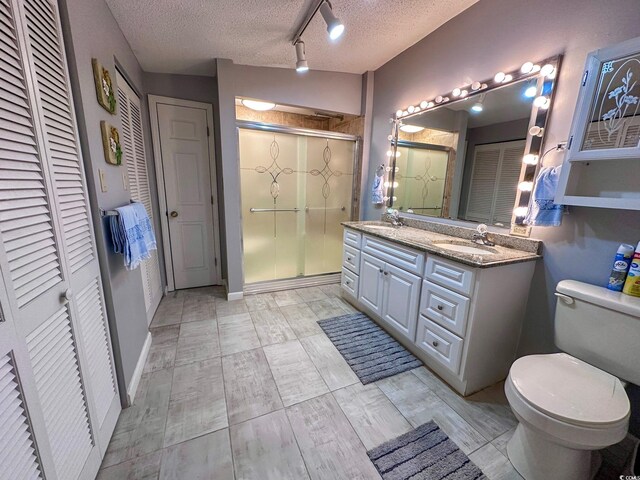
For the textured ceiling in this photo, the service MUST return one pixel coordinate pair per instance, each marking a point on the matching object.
(184, 36)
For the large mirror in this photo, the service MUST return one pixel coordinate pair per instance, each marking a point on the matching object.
(461, 155)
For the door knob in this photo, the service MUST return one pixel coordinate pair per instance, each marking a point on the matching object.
(173, 214)
(66, 296)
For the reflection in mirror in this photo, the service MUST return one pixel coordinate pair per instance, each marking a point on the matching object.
(463, 159)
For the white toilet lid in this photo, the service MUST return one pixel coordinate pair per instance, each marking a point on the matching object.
(570, 390)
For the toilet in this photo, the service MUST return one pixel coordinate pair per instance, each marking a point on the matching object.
(573, 403)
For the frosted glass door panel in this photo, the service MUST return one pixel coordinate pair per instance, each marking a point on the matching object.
(329, 182)
(299, 189)
(421, 180)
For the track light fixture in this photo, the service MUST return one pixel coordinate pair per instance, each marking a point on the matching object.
(301, 58)
(335, 28)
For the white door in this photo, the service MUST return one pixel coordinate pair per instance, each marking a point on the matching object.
(400, 300)
(57, 382)
(185, 157)
(371, 283)
(135, 159)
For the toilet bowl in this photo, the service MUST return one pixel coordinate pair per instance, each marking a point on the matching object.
(566, 409)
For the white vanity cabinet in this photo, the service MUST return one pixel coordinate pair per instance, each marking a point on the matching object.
(462, 321)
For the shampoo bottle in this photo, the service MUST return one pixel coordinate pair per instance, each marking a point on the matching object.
(620, 267)
(632, 284)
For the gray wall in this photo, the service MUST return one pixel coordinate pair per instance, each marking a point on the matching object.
(92, 32)
(496, 133)
(338, 92)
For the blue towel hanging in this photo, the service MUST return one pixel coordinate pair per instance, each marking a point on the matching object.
(132, 234)
(543, 212)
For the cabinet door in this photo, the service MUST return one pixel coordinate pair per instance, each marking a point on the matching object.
(371, 284)
(400, 300)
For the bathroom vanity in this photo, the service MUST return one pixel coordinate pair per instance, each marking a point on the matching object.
(456, 304)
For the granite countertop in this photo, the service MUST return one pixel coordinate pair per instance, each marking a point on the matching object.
(426, 241)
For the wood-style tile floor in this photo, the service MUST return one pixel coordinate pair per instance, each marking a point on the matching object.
(253, 389)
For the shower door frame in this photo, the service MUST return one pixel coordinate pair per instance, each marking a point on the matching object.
(323, 278)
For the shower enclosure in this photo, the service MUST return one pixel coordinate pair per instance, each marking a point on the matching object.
(297, 186)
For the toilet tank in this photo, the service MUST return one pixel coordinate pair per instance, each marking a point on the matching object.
(600, 327)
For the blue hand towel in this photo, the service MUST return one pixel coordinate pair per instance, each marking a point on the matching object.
(377, 191)
(132, 234)
(543, 212)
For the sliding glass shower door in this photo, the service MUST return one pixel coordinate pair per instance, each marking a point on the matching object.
(296, 188)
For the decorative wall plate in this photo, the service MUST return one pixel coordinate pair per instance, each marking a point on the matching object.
(111, 143)
(104, 86)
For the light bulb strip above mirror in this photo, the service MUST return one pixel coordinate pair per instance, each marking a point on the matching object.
(541, 77)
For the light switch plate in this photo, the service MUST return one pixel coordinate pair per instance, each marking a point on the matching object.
(103, 180)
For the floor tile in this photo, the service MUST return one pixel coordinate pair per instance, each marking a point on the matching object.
(260, 301)
(140, 428)
(334, 369)
(345, 305)
(198, 340)
(327, 308)
(225, 308)
(237, 334)
(494, 464)
(294, 373)
(265, 448)
(160, 358)
(287, 297)
(165, 336)
(301, 319)
(329, 445)
(311, 294)
(197, 405)
(374, 418)
(169, 312)
(331, 290)
(272, 327)
(501, 442)
(203, 458)
(487, 411)
(419, 405)
(249, 386)
(197, 308)
(146, 467)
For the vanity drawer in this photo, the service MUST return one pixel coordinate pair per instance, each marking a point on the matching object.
(450, 274)
(350, 282)
(351, 258)
(446, 308)
(397, 255)
(441, 345)
(352, 238)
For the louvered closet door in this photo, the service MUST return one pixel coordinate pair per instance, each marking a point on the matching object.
(507, 182)
(60, 354)
(136, 163)
(486, 162)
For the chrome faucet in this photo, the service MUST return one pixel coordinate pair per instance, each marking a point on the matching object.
(481, 236)
(394, 218)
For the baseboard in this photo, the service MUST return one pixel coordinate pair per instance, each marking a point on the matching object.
(235, 295)
(137, 373)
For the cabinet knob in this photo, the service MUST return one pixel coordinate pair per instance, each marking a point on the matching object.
(381, 270)
(435, 343)
(348, 259)
(386, 273)
(440, 307)
(348, 282)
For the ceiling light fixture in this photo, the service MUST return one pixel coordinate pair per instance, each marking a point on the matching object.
(301, 58)
(411, 128)
(258, 105)
(334, 26)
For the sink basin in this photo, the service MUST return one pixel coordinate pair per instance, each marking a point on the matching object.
(465, 247)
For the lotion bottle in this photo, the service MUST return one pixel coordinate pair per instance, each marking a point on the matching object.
(620, 267)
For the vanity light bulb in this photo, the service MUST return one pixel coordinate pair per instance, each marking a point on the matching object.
(531, 92)
(547, 70)
(405, 113)
(456, 92)
(430, 105)
(530, 159)
(525, 186)
(535, 69)
(536, 131)
(540, 101)
(390, 137)
(475, 86)
(520, 211)
(410, 108)
(464, 93)
(499, 78)
(439, 99)
(395, 184)
(424, 104)
(399, 113)
(417, 110)
(526, 67)
(507, 78)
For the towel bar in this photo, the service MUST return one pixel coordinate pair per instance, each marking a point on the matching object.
(110, 213)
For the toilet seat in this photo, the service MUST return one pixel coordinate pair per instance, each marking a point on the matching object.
(570, 390)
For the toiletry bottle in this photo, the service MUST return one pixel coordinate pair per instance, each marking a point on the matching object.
(632, 284)
(620, 267)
